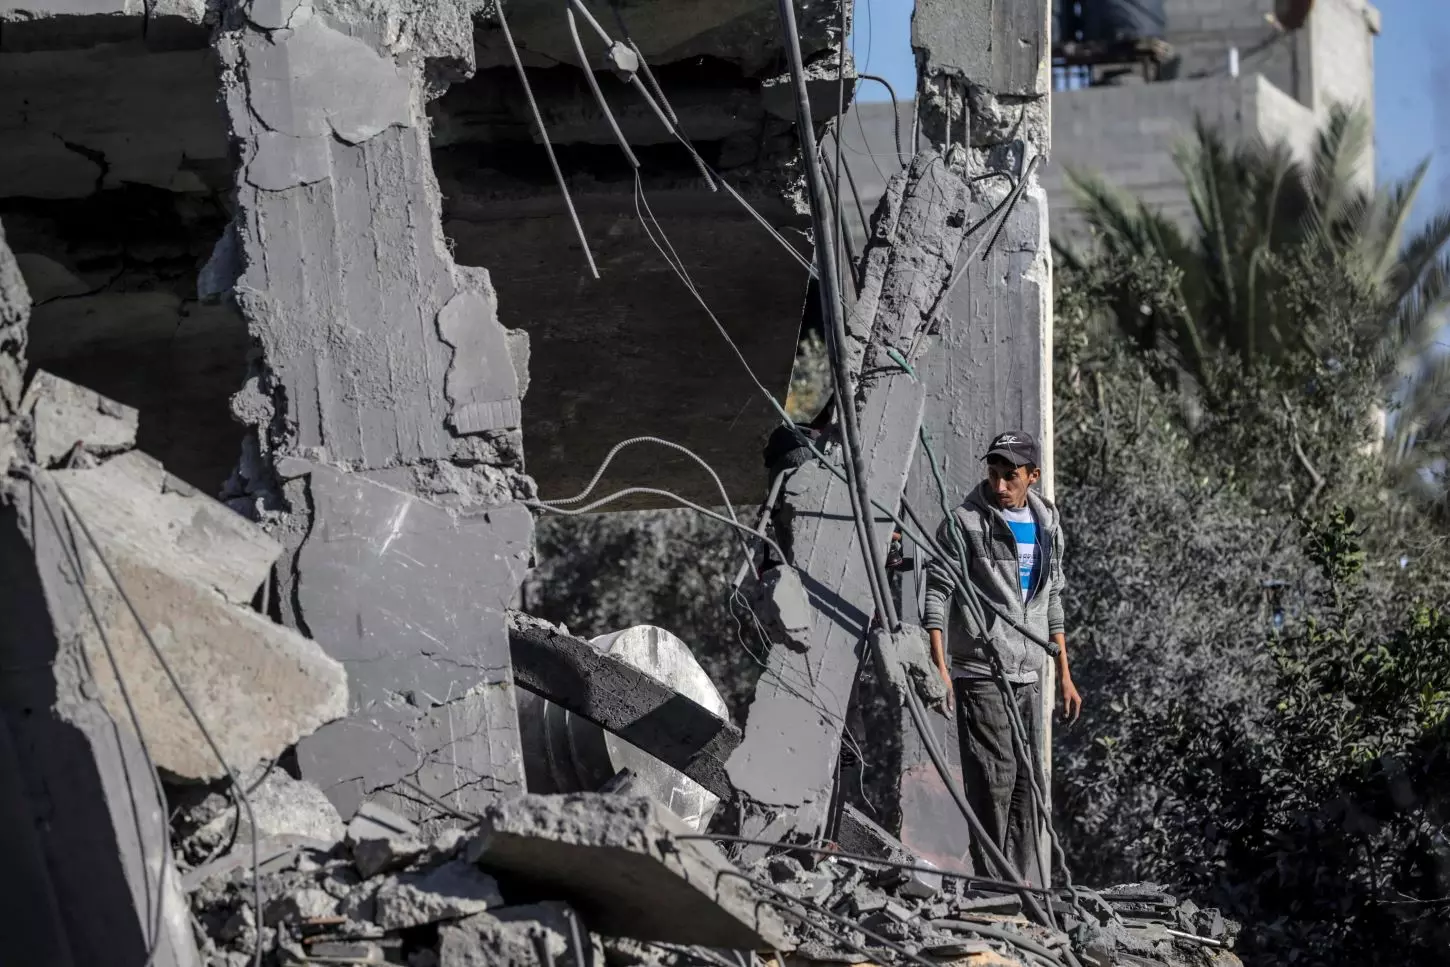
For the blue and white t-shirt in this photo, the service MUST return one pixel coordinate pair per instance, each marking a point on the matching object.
(1024, 529)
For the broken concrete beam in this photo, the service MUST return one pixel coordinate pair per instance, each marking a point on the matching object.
(411, 598)
(63, 415)
(793, 732)
(134, 506)
(616, 696)
(622, 864)
(786, 764)
(92, 807)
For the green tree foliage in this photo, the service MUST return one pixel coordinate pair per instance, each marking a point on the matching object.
(1267, 673)
(1258, 216)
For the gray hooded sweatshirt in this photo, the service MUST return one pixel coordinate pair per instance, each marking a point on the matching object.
(992, 568)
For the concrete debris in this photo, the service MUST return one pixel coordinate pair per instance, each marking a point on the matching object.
(426, 646)
(963, 921)
(539, 933)
(135, 507)
(258, 686)
(621, 860)
(447, 892)
(786, 765)
(64, 415)
(87, 835)
(381, 839)
(285, 811)
(579, 873)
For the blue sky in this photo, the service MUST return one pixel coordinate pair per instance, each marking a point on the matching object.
(1413, 30)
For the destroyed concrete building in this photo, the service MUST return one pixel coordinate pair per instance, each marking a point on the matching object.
(338, 262)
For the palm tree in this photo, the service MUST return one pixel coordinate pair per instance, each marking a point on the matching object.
(1256, 208)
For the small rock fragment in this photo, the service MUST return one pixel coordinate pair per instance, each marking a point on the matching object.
(64, 414)
(540, 933)
(381, 839)
(448, 892)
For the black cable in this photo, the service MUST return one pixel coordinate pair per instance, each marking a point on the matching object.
(832, 303)
(895, 112)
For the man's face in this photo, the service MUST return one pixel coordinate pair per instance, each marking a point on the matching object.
(1009, 484)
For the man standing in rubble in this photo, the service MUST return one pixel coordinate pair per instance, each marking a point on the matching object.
(1012, 543)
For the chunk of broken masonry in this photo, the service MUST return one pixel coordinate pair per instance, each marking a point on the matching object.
(85, 823)
(449, 891)
(620, 863)
(540, 933)
(381, 839)
(167, 573)
(63, 414)
(285, 811)
(257, 686)
(133, 505)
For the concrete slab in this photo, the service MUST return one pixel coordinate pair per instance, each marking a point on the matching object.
(134, 506)
(258, 686)
(411, 599)
(618, 862)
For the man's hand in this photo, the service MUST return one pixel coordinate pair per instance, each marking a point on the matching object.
(939, 659)
(1071, 700)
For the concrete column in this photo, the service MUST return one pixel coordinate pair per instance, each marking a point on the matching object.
(384, 405)
(984, 80)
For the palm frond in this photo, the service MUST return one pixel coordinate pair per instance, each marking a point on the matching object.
(1337, 164)
(1418, 318)
(1384, 246)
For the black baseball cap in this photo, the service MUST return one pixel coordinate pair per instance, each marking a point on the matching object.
(1017, 447)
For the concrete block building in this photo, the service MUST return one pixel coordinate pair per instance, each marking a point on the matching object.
(1233, 64)
(1128, 128)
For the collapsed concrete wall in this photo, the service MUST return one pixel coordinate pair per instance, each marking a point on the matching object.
(385, 444)
(382, 411)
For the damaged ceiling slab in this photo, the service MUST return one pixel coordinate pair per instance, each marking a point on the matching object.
(112, 114)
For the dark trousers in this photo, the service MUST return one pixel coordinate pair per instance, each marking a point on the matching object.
(998, 785)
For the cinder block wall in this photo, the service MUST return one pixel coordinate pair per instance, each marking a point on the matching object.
(1129, 134)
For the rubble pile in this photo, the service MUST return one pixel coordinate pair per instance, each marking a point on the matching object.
(606, 880)
(571, 874)
(304, 726)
